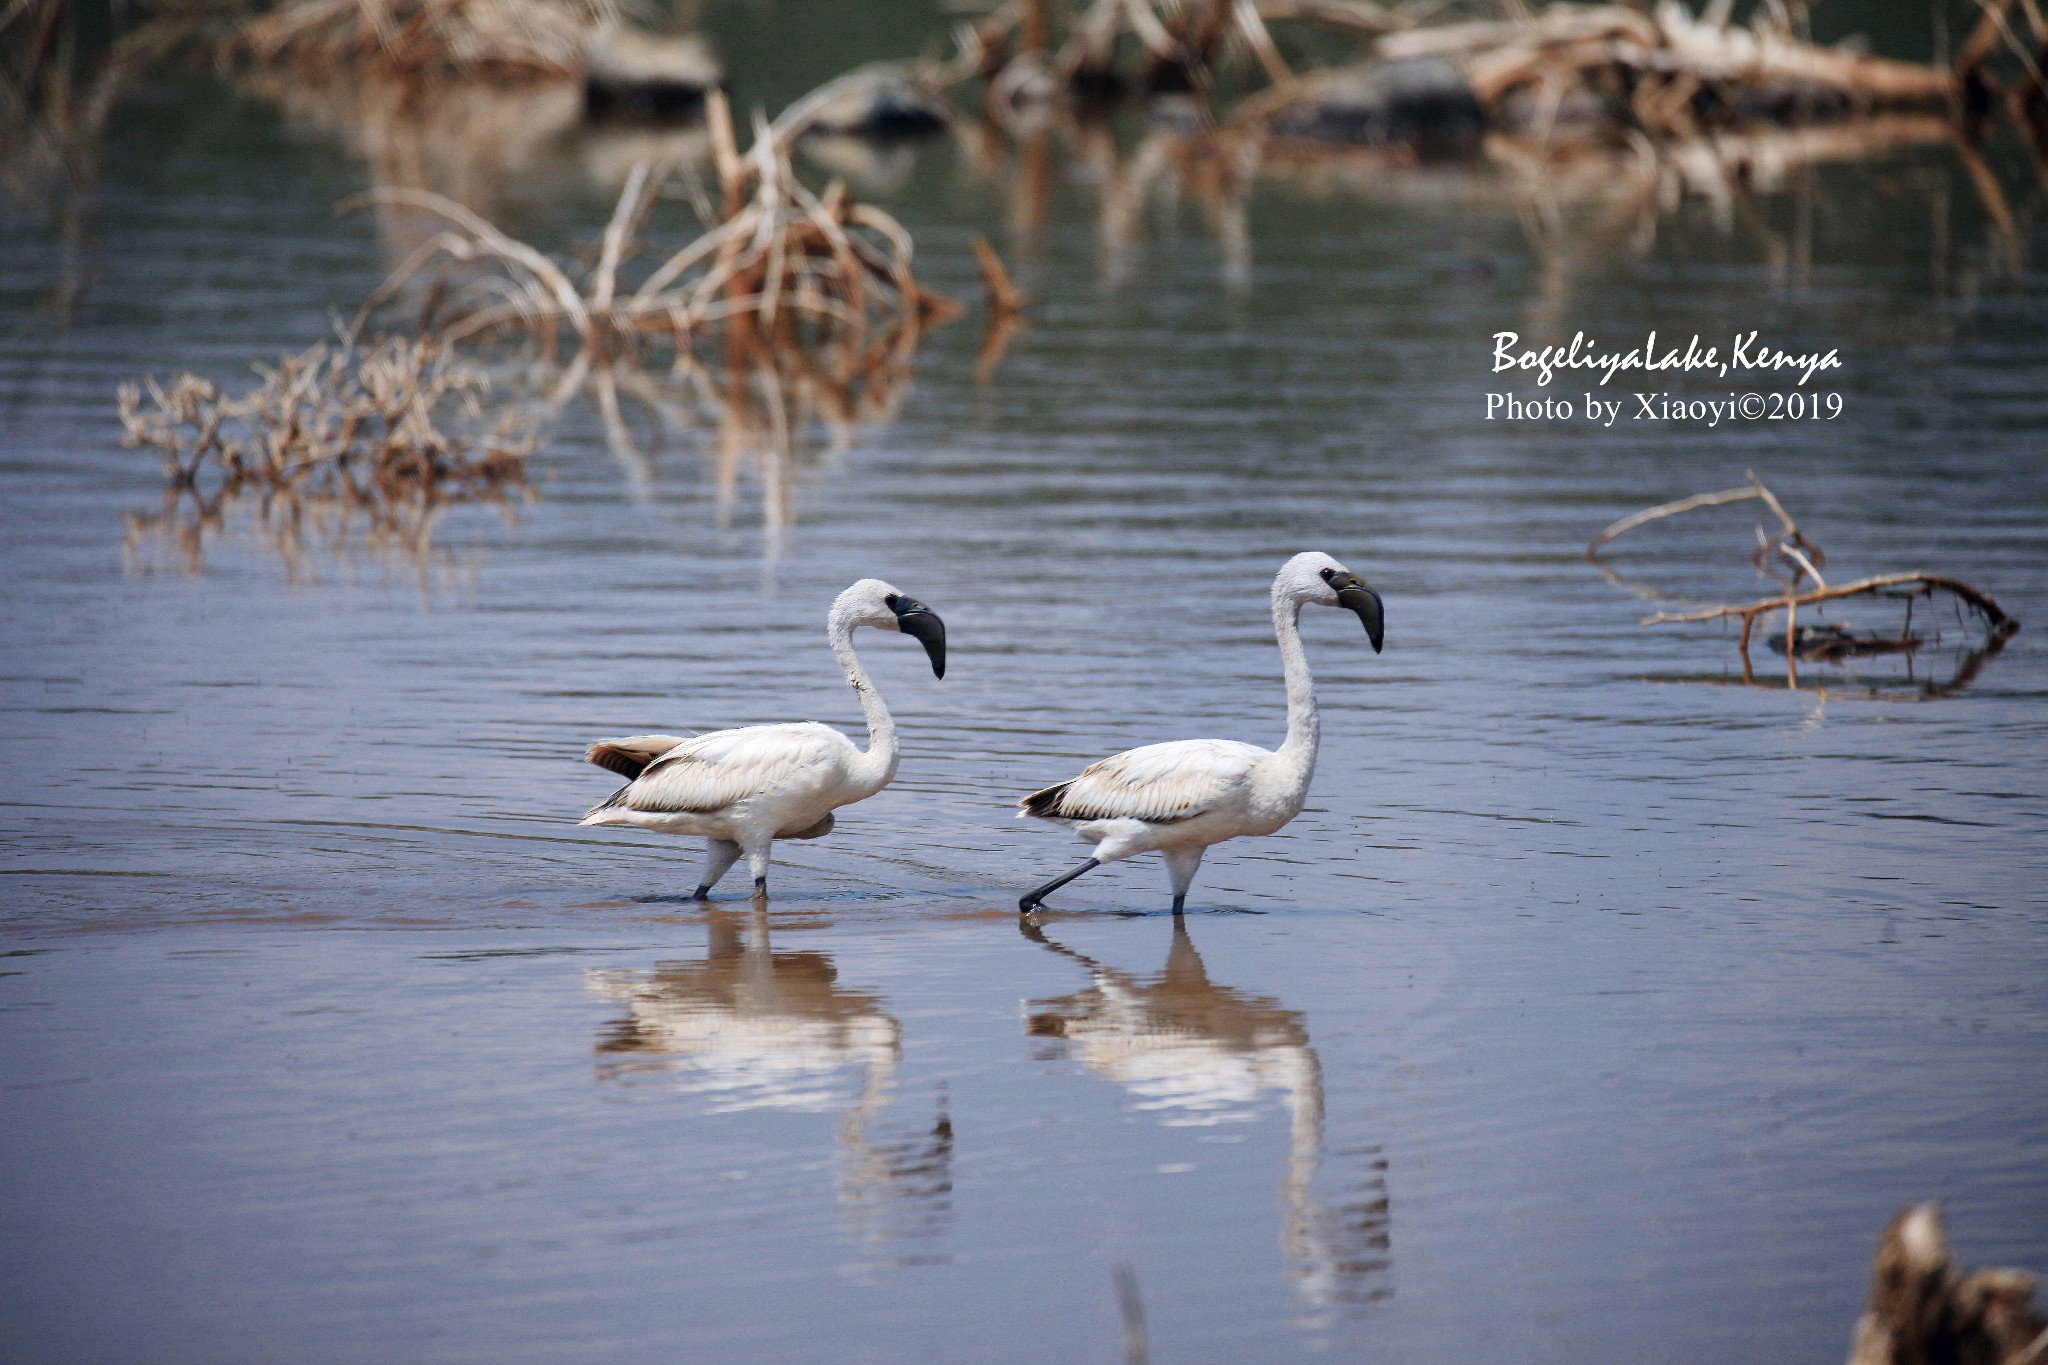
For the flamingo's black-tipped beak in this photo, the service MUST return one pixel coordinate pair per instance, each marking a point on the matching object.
(1354, 595)
(920, 622)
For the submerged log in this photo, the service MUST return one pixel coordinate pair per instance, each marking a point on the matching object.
(1424, 102)
(881, 100)
(643, 77)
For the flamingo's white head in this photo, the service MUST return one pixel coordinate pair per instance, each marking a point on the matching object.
(871, 602)
(1312, 577)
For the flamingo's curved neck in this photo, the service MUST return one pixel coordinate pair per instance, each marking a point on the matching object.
(1295, 761)
(878, 765)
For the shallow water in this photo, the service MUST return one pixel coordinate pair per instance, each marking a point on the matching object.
(1598, 1007)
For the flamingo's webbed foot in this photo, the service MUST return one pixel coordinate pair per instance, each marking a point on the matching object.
(1033, 900)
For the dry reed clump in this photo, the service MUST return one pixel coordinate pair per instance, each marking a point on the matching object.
(1796, 562)
(390, 432)
(1924, 1308)
(1023, 54)
(504, 39)
(782, 268)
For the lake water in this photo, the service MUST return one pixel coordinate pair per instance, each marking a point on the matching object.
(1598, 1007)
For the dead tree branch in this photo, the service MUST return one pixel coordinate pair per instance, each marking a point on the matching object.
(1791, 547)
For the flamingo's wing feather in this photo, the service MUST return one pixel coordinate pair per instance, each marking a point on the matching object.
(1161, 783)
(714, 771)
(630, 755)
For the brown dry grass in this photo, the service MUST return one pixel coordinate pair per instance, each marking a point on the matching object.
(382, 435)
(782, 268)
(506, 39)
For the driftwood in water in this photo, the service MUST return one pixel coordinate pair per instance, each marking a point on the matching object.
(1423, 103)
(1590, 70)
(1796, 563)
(1925, 1310)
(1593, 71)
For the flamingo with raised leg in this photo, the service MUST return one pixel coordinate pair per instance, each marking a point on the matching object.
(1182, 797)
(741, 790)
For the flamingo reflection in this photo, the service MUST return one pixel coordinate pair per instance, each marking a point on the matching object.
(748, 1028)
(1194, 1054)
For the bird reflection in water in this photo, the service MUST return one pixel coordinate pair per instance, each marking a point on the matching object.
(749, 1028)
(1198, 1054)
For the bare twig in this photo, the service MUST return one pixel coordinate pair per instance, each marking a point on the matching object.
(1003, 297)
(1669, 509)
(1805, 559)
(1921, 585)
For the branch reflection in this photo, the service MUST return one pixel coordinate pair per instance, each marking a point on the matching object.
(777, 417)
(1582, 208)
(1198, 1054)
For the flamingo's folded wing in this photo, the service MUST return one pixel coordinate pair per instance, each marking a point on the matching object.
(630, 755)
(713, 771)
(1160, 783)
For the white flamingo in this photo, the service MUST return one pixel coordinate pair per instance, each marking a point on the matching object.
(1181, 797)
(741, 790)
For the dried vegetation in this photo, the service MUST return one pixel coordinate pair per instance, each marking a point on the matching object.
(1593, 124)
(1795, 563)
(782, 267)
(1925, 1309)
(792, 312)
(796, 311)
(383, 436)
(423, 39)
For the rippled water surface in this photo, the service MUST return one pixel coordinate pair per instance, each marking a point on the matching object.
(1598, 1007)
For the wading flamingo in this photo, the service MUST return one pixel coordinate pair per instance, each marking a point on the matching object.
(741, 790)
(1181, 797)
